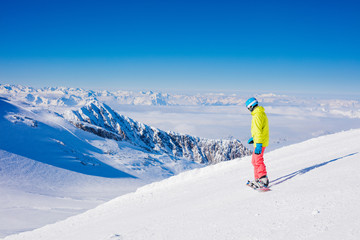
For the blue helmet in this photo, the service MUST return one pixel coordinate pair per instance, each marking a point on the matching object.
(251, 103)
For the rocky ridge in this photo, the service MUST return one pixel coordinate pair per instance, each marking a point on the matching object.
(100, 119)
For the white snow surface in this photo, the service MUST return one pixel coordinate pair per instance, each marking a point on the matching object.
(314, 195)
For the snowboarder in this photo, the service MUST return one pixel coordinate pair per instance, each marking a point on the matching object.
(260, 139)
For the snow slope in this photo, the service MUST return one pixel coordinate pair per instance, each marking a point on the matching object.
(314, 196)
(50, 170)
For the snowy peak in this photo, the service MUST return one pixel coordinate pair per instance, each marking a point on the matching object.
(100, 119)
(77, 97)
(62, 96)
(46, 138)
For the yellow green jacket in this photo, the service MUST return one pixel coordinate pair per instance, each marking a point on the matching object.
(260, 126)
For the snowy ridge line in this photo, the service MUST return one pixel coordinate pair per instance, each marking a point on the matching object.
(100, 119)
(77, 97)
(223, 166)
(61, 96)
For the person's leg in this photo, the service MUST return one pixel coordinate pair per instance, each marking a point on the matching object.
(259, 165)
(253, 163)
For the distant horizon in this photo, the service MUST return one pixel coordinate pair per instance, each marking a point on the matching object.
(347, 96)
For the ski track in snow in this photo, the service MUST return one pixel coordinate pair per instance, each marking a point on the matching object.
(310, 199)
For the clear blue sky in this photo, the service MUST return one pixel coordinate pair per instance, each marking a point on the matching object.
(256, 45)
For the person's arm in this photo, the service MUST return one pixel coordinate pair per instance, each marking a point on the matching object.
(258, 138)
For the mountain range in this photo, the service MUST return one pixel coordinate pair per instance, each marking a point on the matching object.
(36, 130)
(65, 150)
(78, 97)
(100, 119)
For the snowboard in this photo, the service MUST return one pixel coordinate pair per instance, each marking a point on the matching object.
(262, 189)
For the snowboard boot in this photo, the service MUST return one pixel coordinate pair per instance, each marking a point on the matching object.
(263, 182)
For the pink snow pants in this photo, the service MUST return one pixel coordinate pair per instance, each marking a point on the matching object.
(258, 163)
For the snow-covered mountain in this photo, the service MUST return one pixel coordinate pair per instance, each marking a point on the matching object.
(78, 97)
(48, 137)
(46, 155)
(62, 96)
(100, 119)
(313, 197)
(51, 169)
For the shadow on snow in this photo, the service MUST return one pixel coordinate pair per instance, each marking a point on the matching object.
(305, 170)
